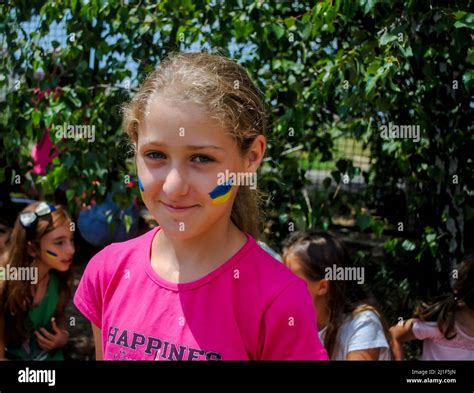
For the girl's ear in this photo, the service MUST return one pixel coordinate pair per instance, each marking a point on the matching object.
(31, 249)
(256, 153)
(322, 287)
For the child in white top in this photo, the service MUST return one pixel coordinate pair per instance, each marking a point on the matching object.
(350, 328)
(360, 331)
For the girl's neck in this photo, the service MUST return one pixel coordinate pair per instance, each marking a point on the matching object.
(323, 313)
(201, 254)
(39, 289)
(43, 271)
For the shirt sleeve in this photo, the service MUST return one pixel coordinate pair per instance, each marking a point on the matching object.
(367, 333)
(423, 330)
(289, 330)
(89, 294)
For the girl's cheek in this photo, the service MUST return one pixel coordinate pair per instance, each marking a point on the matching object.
(51, 255)
(149, 188)
(69, 249)
(221, 194)
(141, 188)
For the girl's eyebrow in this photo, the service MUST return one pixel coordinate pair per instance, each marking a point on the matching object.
(204, 147)
(59, 238)
(189, 147)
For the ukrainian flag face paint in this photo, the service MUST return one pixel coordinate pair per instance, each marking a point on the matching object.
(140, 186)
(221, 193)
(51, 254)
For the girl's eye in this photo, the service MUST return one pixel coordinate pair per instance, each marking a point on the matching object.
(58, 243)
(202, 159)
(155, 155)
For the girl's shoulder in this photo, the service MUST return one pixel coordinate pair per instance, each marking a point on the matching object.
(426, 330)
(364, 311)
(362, 319)
(114, 255)
(264, 258)
(429, 330)
(268, 272)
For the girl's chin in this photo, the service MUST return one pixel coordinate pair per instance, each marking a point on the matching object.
(186, 229)
(174, 231)
(63, 267)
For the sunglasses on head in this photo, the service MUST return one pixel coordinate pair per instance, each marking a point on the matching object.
(28, 219)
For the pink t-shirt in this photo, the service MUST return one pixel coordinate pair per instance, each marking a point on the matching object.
(250, 308)
(437, 347)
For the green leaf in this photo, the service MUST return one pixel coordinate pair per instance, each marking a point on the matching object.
(70, 195)
(76, 101)
(363, 221)
(373, 67)
(367, 5)
(144, 29)
(386, 38)
(392, 35)
(306, 31)
(128, 220)
(408, 245)
(467, 78)
(36, 117)
(279, 30)
(466, 20)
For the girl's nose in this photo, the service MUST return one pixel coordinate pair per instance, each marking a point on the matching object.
(175, 183)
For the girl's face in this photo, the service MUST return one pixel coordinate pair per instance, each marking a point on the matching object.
(181, 153)
(57, 248)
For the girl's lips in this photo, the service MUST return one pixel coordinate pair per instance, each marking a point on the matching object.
(177, 209)
(66, 261)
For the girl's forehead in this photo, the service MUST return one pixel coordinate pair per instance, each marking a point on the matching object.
(173, 122)
(175, 110)
(62, 230)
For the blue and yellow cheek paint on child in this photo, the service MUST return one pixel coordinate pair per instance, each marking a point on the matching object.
(140, 186)
(51, 254)
(221, 193)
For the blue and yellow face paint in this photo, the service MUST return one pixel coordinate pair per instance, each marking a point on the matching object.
(221, 193)
(140, 186)
(51, 254)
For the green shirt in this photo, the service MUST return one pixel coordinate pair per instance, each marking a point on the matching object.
(40, 316)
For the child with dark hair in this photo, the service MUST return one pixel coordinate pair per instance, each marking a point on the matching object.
(349, 327)
(446, 326)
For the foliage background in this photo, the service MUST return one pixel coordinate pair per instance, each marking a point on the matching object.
(330, 70)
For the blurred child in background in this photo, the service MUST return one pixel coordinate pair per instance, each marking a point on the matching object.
(445, 326)
(350, 328)
(32, 320)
